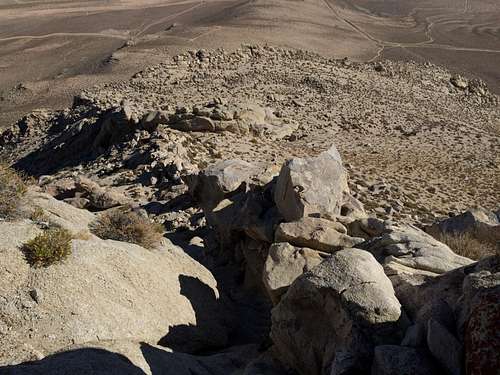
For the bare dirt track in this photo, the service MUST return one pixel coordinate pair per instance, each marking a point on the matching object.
(50, 50)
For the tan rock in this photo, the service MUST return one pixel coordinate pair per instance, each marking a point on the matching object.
(311, 186)
(284, 264)
(105, 290)
(317, 234)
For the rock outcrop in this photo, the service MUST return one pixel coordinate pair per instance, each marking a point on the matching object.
(332, 317)
(482, 224)
(284, 264)
(411, 247)
(264, 201)
(239, 119)
(313, 186)
(315, 233)
(101, 292)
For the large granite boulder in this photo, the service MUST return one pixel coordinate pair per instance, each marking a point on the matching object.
(313, 186)
(316, 233)
(411, 247)
(482, 224)
(479, 318)
(444, 347)
(218, 181)
(333, 316)
(284, 264)
(105, 290)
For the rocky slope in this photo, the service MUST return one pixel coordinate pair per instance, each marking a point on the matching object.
(419, 142)
(286, 181)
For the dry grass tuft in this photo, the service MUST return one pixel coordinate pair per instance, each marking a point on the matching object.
(12, 189)
(128, 227)
(52, 246)
(465, 244)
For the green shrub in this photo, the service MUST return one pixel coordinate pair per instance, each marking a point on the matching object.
(38, 215)
(12, 189)
(128, 227)
(49, 247)
(467, 245)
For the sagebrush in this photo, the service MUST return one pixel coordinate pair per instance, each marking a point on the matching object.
(49, 247)
(12, 189)
(467, 245)
(128, 227)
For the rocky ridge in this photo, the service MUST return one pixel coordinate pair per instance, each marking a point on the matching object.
(264, 213)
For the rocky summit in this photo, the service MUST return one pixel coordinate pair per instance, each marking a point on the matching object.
(259, 211)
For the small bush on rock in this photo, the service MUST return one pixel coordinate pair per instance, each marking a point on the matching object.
(52, 246)
(128, 227)
(12, 189)
(465, 244)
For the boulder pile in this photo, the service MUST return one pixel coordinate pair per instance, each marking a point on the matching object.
(281, 258)
(352, 294)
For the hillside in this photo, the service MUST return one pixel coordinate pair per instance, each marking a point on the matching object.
(49, 51)
(257, 211)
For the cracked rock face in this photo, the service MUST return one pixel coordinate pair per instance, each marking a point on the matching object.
(312, 186)
(406, 245)
(284, 264)
(348, 305)
(235, 118)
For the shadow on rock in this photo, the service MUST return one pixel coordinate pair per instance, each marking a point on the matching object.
(80, 142)
(231, 361)
(210, 331)
(77, 362)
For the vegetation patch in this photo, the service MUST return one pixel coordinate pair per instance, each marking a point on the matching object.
(467, 245)
(12, 189)
(128, 227)
(49, 247)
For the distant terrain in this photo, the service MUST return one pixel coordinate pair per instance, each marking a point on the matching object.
(50, 50)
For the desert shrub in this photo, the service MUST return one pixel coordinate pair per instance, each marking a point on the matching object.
(128, 227)
(12, 189)
(53, 245)
(465, 244)
(38, 215)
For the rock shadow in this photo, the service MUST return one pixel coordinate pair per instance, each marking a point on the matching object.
(164, 362)
(88, 361)
(79, 142)
(210, 332)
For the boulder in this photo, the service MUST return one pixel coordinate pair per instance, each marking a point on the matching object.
(313, 186)
(479, 317)
(482, 224)
(400, 360)
(333, 316)
(482, 333)
(105, 290)
(415, 288)
(59, 213)
(316, 233)
(411, 247)
(367, 227)
(241, 118)
(284, 264)
(218, 181)
(444, 347)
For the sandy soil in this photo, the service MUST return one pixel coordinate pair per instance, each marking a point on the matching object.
(50, 50)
